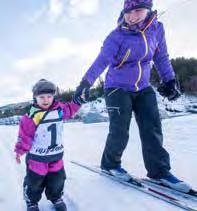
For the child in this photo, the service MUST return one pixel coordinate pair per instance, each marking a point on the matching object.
(40, 137)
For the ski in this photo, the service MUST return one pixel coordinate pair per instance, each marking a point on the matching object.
(140, 185)
(191, 195)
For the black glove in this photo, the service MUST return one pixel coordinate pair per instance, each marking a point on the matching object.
(169, 89)
(82, 93)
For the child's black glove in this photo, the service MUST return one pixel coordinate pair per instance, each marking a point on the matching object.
(82, 93)
(169, 89)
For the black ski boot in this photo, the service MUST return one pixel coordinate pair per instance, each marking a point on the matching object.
(33, 207)
(60, 205)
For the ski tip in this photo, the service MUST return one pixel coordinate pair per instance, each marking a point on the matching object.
(193, 192)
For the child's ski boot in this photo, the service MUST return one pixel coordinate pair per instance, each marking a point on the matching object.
(33, 207)
(60, 205)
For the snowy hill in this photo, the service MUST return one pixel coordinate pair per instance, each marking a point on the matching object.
(13, 109)
(96, 111)
(86, 191)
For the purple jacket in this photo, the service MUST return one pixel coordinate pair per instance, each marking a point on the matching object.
(128, 55)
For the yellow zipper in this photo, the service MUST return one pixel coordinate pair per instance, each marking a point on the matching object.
(124, 59)
(139, 62)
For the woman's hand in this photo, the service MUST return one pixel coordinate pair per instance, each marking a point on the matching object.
(169, 90)
(82, 93)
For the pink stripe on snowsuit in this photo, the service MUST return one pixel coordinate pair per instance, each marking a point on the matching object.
(44, 168)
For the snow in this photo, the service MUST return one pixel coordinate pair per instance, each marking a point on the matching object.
(87, 191)
(14, 120)
(96, 111)
(182, 106)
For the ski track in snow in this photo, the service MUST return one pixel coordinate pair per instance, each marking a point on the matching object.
(86, 191)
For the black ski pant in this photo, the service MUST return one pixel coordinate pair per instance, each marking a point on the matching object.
(120, 105)
(35, 184)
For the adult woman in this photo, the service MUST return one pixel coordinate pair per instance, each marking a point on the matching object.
(129, 50)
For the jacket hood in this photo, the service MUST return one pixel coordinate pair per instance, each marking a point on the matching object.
(151, 17)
